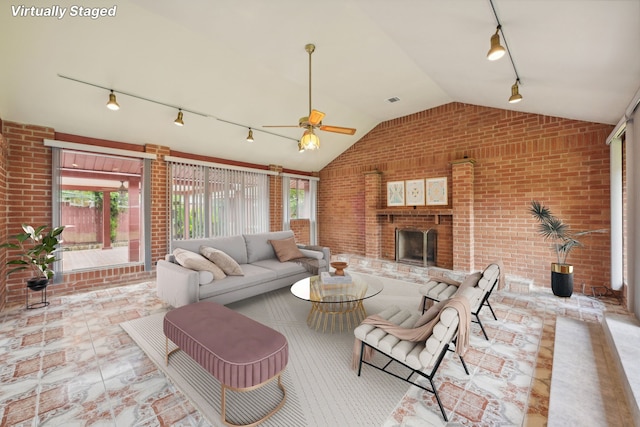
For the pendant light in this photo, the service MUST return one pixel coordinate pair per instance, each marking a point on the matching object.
(496, 51)
(250, 136)
(122, 191)
(515, 93)
(178, 121)
(113, 104)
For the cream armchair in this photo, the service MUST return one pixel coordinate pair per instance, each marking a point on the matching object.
(423, 357)
(477, 287)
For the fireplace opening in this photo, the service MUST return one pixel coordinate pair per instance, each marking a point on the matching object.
(417, 247)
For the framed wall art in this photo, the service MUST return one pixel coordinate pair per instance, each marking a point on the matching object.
(415, 192)
(437, 191)
(395, 193)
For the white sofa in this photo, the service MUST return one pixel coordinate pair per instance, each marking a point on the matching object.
(263, 272)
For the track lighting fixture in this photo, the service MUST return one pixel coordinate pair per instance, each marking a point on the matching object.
(178, 121)
(250, 136)
(496, 51)
(112, 104)
(310, 140)
(515, 93)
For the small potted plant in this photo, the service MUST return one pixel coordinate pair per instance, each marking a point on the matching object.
(564, 240)
(37, 253)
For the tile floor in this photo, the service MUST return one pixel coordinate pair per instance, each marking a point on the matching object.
(71, 364)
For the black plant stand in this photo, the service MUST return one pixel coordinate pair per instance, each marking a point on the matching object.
(43, 298)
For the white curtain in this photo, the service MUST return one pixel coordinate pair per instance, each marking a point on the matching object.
(212, 201)
(632, 145)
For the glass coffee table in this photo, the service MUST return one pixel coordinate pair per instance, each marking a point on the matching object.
(337, 301)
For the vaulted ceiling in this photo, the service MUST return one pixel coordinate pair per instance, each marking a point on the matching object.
(244, 62)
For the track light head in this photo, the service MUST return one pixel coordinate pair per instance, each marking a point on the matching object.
(178, 121)
(250, 136)
(112, 104)
(496, 51)
(515, 93)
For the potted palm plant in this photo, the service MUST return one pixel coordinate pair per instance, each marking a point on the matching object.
(36, 252)
(563, 241)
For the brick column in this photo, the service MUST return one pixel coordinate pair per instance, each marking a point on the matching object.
(372, 202)
(463, 215)
(275, 199)
(160, 204)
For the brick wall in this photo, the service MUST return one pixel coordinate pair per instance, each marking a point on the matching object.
(3, 216)
(519, 157)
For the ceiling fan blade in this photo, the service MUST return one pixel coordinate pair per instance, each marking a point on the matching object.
(315, 117)
(338, 129)
(280, 126)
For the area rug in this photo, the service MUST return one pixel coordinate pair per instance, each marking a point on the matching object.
(322, 389)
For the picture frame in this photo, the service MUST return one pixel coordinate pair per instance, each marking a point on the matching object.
(436, 191)
(395, 193)
(414, 190)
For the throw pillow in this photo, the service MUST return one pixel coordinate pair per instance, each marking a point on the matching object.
(286, 249)
(222, 260)
(197, 262)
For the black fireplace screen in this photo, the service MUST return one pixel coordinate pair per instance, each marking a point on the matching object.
(417, 247)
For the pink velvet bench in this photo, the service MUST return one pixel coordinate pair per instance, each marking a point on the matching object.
(239, 352)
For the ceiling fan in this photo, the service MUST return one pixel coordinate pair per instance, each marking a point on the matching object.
(310, 140)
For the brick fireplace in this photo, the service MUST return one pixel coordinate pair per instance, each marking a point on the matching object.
(453, 224)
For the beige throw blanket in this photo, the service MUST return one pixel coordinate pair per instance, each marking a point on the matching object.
(422, 329)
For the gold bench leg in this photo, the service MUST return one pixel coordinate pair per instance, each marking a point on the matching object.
(273, 411)
(167, 352)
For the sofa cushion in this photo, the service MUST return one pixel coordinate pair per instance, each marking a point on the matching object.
(282, 269)
(234, 246)
(258, 246)
(286, 249)
(222, 260)
(197, 262)
(253, 275)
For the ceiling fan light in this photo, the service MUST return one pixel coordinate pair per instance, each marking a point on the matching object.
(496, 51)
(178, 121)
(300, 147)
(515, 94)
(310, 140)
(250, 136)
(113, 104)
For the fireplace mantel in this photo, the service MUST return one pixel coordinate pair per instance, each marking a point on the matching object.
(436, 213)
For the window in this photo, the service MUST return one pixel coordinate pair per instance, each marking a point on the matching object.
(99, 201)
(299, 199)
(299, 206)
(216, 201)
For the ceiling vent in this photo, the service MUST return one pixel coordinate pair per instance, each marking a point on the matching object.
(394, 99)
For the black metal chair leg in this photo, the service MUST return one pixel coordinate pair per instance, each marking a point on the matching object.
(361, 356)
(491, 308)
(464, 365)
(481, 327)
(435, 392)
